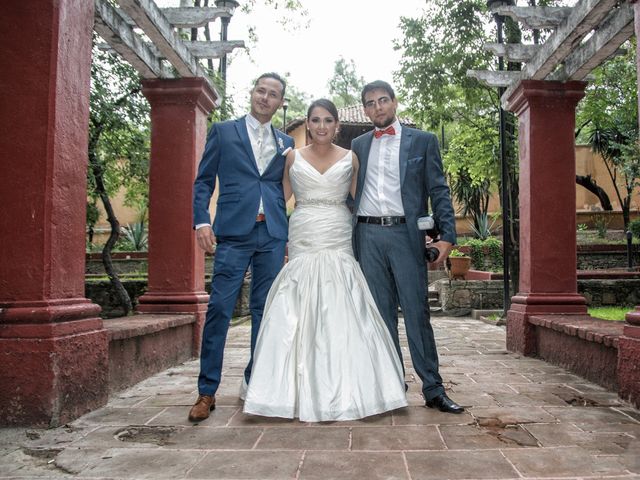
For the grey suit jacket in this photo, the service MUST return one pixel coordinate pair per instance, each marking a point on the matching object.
(421, 178)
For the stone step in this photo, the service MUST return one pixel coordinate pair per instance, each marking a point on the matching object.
(434, 302)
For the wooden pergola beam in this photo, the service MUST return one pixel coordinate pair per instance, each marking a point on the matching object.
(200, 49)
(148, 17)
(500, 78)
(204, 49)
(187, 17)
(115, 30)
(535, 17)
(513, 52)
(604, 43)
(193, 17)
(563, 57)
(584, 17)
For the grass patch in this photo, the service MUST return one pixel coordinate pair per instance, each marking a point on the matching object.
(615, 314)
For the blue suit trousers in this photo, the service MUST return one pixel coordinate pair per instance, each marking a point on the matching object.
(262, 253)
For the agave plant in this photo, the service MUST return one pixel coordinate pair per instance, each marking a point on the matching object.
(481, 226)
(136, 234)
(473, 198)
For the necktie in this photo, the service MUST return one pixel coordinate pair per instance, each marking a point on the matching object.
(387, 131)
(261, 134)
(261, 130)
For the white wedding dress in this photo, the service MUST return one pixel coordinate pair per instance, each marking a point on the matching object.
(323, 351)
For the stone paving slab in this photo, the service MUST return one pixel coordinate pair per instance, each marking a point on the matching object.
(296, 438)
(361, 465)
(143, 463)
(474, 437)
(248, 464)
(525, 419)
(558, 462)
(459, 464)
(397, 438)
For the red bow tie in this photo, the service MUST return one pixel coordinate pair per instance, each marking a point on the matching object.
(387, 131)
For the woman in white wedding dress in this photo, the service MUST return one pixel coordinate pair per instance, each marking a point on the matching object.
(323, 351)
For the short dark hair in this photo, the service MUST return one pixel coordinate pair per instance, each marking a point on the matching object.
(275, 76)
(378, 85)
(328, 105)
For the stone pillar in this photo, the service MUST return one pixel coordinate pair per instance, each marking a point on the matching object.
(179, 110)
(629, 342)
(548, 277)
(53, 347)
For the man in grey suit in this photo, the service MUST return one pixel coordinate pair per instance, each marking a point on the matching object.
(400, 168)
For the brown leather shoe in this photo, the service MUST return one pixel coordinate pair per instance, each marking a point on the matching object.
(200, 411)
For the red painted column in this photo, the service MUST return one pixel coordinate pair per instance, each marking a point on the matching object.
(179, 110)
(548, 278)
(53, 347)
(629, 342)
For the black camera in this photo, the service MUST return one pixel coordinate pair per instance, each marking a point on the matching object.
(430, 227)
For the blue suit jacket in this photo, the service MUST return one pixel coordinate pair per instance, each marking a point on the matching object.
(421, 177)
(228, 155)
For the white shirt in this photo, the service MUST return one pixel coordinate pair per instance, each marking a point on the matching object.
(381, 195)
(264, 149)
(263, 145)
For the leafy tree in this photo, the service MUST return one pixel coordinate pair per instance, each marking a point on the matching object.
(118, 147)
(298, 102)
(288, 6)
(472, 182)
(345, 85)
(438, 49)
(294, 16)
(288, 20)
(609, 114)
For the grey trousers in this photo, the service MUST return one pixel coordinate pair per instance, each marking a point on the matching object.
(395, 277)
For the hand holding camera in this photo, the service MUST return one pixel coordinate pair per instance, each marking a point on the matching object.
(429, 225)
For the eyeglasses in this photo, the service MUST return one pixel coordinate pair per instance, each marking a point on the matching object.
(382, 101)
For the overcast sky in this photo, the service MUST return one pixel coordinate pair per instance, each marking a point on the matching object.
(362, 30)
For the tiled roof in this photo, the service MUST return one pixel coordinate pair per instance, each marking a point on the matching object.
(355, 114)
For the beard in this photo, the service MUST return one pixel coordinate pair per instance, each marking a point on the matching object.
(384, 123)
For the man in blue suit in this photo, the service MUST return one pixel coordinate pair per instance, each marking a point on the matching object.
(400, 169)
(247, 156)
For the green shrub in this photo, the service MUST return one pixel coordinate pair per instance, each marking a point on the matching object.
(601, 223)
(486, 253)
(634, 227)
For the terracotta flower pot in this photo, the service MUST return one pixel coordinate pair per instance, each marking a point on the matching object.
(459, 267)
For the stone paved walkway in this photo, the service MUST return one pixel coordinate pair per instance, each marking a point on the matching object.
(525, 419)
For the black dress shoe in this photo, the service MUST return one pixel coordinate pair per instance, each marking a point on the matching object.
(444, 404)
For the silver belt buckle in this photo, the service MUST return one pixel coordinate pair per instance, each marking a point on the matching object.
(386, 221)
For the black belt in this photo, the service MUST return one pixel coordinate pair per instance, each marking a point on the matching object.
(384, 221)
